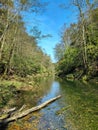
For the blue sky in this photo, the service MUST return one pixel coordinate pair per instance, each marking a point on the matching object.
(50, 22)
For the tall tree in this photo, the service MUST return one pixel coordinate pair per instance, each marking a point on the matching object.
(19, 51)
(80, 41)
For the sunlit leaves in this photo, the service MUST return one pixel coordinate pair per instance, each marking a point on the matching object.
(83, 37)
(19, 51)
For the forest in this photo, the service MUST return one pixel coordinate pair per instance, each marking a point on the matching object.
(19, 53)
(77, 53)
(63, 93)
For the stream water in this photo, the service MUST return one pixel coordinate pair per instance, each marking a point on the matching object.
(75, 110)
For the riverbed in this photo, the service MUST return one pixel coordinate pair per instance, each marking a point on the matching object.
(75, 110)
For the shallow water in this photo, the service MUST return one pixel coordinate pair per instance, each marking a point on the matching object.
(75, 110)
(50, 120)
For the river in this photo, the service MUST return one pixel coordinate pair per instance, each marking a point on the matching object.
(75, 110)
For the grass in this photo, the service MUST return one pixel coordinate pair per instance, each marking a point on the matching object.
(17, 84)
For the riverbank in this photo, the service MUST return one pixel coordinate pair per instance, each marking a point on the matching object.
(17, 92)
(12, 87)
(80, 99)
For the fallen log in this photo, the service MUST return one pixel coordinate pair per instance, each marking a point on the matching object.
(6, 113)
(22, 108)
(26, 112)
(8, 110)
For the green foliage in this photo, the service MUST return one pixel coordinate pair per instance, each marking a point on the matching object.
(92, 52)
(59, 51)
(79, 55)
(6, 94)
(19, 52)
(69, 63)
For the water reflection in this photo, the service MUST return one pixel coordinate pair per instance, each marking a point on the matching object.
(54, 91)
(81, 115)
(50, 120)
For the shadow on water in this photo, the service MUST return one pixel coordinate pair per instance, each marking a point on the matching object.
(81, 115)
(3, 126)
(83, 99)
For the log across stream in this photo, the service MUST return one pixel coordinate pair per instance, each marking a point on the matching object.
(78, 104)
(20, 114)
